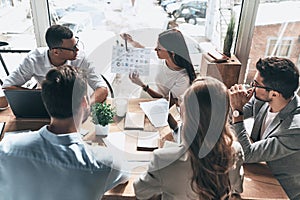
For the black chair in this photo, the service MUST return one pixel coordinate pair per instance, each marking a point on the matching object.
(112, 95)
(8, 51)
(1, 59)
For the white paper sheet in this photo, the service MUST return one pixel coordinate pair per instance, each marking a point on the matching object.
(123, 145)
(132, 60)
(156, 111)
(147, 140)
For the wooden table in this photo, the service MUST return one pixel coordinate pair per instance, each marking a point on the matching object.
(259, 183)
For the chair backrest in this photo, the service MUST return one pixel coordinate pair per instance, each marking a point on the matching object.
(3, 43)
(112, 95)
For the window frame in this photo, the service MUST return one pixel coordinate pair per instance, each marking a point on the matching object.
(280, 45)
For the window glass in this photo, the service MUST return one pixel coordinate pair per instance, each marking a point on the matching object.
(280, 48)
(17, 30)
(276, 32)
(202, 21)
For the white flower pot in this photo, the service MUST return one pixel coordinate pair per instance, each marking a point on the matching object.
(101, 130)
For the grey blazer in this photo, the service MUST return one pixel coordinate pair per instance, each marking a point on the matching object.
(280, 147)
(170, 172)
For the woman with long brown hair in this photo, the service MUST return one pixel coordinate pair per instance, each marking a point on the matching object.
(210, 149)
(199, 167)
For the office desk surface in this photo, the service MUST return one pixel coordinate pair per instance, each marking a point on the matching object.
(259, 183)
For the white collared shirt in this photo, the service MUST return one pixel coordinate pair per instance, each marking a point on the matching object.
(36, 64)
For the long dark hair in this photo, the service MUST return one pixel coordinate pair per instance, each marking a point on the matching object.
(207, 134)
(174, 42)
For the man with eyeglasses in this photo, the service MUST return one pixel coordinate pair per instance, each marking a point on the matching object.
(63, 48)
(275, 136)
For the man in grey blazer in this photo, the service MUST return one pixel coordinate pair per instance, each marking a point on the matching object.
(275, 137)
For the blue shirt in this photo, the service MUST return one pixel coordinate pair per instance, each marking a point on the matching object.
(43, 165)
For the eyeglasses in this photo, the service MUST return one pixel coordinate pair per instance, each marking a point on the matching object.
(255, 84)
(160, 49)
(74, 48)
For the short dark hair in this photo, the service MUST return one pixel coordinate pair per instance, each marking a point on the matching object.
(280, 74)
(63, 90)
(55, 35)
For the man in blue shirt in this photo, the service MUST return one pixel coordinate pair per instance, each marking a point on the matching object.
(54, 162)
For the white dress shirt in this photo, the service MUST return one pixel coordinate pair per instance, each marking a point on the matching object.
(36, 64)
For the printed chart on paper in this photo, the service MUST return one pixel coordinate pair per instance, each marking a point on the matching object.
(132, 60)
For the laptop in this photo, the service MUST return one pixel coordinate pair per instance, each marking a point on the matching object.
(26, 103)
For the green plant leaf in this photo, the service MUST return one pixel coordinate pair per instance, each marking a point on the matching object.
(229, 37)
(102, 113)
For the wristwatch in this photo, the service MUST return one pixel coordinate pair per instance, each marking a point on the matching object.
(145, 87)
(237, 113)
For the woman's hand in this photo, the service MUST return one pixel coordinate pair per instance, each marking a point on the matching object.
(126, 36)
(135, 78)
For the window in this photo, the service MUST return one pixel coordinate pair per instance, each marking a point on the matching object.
(17, 30)
(274, 20)
(280, 48)
(205, 21)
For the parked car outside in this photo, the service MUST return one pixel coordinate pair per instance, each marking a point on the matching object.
(191, 11)
(171, 7)
(77, 21)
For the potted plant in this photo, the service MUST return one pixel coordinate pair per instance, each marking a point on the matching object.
(229, 38)
(102, 116)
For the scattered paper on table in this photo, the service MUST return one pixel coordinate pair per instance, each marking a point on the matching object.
(156, 111)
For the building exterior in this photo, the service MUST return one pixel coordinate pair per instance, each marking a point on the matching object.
(276, 33)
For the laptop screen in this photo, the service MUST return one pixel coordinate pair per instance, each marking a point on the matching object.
(26, 103)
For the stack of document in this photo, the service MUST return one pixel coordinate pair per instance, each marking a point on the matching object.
(156, 111)
(134, 121)
(147, 141)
